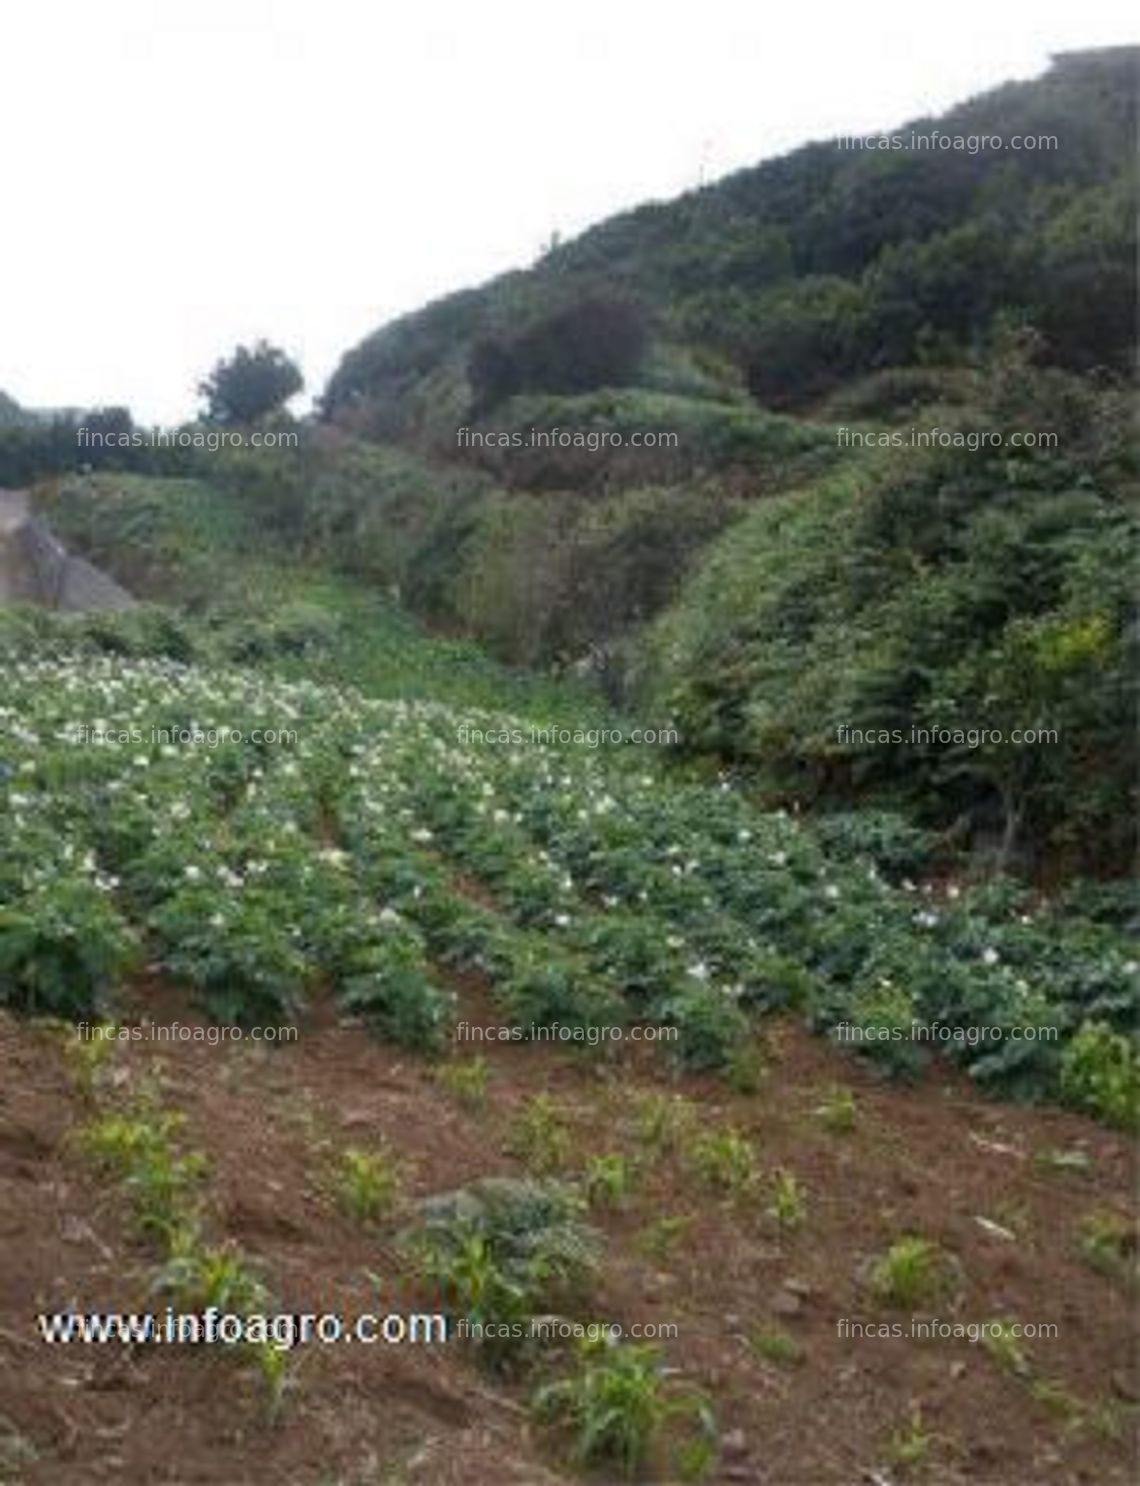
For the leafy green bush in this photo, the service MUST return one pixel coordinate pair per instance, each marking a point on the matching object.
(710, 1028)
(504, 1251)
(596, 341)
(897, 847)
(401, 1005)
(880, 638)
(1100, 1073)
(243, 962)
(62, 950)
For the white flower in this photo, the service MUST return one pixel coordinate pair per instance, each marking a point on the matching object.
(779, 859)
(389, 916)
(421, 835)
(831, 891)
(562, 920)
(743, 835)
(990, 956)
(699, 971)
(953, 891)
(193, 874)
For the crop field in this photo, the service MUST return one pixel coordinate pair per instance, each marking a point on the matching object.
(575, 1038)
(380, 845)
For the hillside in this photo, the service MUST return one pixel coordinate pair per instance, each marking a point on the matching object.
(828, 465)
(939, 538)
(808, 270)
(565, 917)
(645, 959)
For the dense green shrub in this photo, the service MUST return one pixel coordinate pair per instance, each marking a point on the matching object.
(1100, 1073)
(62, 950)
(958, 592)
(597, 341)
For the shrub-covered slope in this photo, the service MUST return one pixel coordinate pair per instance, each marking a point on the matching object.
(803, 271)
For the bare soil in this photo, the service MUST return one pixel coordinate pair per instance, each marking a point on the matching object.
(930, 1160)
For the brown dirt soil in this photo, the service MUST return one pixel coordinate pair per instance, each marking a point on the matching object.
(929, 1160)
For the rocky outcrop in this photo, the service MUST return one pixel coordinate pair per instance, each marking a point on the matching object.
(35, 567)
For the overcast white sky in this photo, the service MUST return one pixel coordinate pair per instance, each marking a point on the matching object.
(182, 175)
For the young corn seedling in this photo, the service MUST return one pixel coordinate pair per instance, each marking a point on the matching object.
(910, 1444)
(662, 1122)
(913, 1272)
(138, 1150)
(662, 1236)
(777, 1347)
(366, 1184)
(1108, 1243)
(1001, 1344)
(607, 1180)
(88, 1051)
(838, 1111)
(789, 1202)
(725, 1160)
(466, 1080)
(617, 1406)
(539, 1136)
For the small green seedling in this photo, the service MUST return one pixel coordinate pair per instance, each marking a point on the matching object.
(789, 1202)
(539, 1136)
(607, 1180)
(725, 1160)
(776, 1346)
(661, 1237)
(913, 1272)
(366, 1184)
(466, 1079)
(662, 1121)
(1108, 1242)
(88, 1051)
(910, 1445)
(838, 1111)
(1001, 1344)
(617, 1406)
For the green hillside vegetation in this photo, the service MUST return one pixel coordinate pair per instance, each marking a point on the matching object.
(979, 290)
(764, 572)
(943, 589)
(804, 271)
